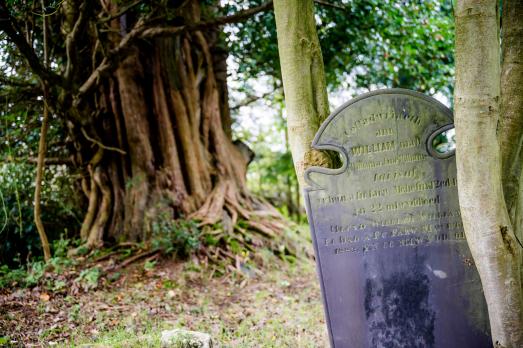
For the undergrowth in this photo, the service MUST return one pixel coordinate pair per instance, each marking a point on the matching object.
(181, 239)
(175, 237)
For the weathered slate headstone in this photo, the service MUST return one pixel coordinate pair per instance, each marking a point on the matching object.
(393, 262)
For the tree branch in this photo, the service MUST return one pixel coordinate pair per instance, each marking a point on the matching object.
(251, 99)
(141, 31)
(235, 18)
(105, 147)
(329, 4)
(73, 36)
(122, 11)
(9, 26)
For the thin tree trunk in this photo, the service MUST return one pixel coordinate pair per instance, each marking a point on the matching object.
(289, 198)
(510, 131)
(303, 81)
(42, 147)
(486, 221)
(298, 203)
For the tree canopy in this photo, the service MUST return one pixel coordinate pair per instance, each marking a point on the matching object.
(365, 44)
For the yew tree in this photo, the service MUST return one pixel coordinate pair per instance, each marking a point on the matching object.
(140, 89)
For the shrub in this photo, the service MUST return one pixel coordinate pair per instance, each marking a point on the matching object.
(179, 237)
(11, 277)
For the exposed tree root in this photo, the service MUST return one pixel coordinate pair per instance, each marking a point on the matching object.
(132, 259)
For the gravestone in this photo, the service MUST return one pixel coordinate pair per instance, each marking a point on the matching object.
(394, 266)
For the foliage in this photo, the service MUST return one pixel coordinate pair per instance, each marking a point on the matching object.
(34, 272)
(61, 210)
(11, 277)
(365, 43)
(61, 246)
(88, 278)
(175, 236)
(445, 141)
(22, 277)
(149, 265)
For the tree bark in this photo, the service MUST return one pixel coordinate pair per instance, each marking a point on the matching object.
(158, 145)
(488, 228)
(40, 166)
(42, 148)
(510, 133)
(304, 83)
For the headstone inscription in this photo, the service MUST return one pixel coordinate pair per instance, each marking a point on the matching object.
(394, 266)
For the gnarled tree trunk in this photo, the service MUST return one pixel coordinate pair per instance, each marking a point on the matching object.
(157, 142)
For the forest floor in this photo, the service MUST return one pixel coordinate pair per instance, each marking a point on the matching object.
(279, 307)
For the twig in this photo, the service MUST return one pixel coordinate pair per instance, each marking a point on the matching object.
(135, 258)
(329, 4)
(106, 256)
(154, 257)
(251, 99)
(127, 244)
(105, 147)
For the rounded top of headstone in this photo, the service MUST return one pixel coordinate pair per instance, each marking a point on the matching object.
(350, 123)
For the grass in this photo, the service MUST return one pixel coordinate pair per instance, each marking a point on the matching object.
(121, 338)
(277, 306)
(280, 309)
(275, 314)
